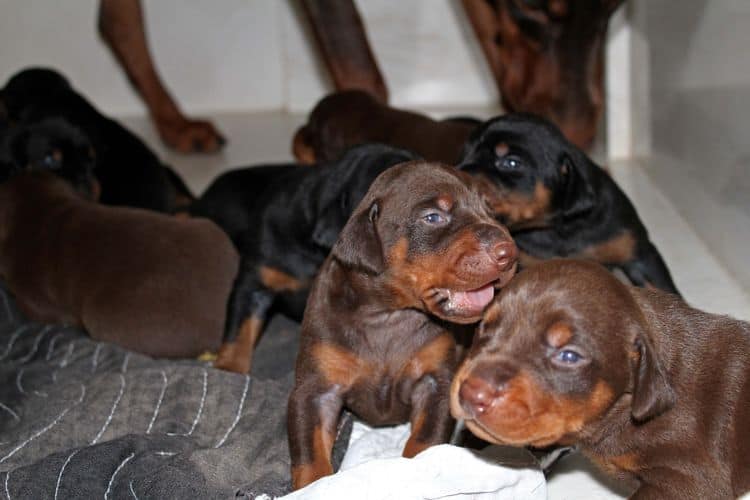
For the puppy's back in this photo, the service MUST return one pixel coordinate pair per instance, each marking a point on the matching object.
(706, 357)
(146, 281)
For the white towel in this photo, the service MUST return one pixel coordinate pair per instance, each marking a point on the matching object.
(373, 469)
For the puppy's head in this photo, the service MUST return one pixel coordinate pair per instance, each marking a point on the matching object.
(560, 346)
(339, 121)
(30, 86)
(533, 176)
(346, 183)
(427, 235)
(51, 144)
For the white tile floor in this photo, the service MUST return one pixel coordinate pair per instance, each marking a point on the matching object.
(700, 276)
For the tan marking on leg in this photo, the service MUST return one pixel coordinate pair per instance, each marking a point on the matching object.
(616, 250)
(237, 356)
(278, 280)
(414, 446)
(304, 474)
(338, 366)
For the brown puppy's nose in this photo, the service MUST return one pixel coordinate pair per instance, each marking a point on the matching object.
(506, 254)
(498, 244)
(476, 395)
(485, 384)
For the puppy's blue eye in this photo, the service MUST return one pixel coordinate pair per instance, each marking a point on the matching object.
(568, 357)
(433, 218)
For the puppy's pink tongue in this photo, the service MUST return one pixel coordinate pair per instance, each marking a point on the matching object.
(473, 300)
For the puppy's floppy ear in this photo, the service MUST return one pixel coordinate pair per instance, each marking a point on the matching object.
(576, 193)
(359, 244)
(652, 394)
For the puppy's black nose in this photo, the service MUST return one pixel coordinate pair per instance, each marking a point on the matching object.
(506, 254)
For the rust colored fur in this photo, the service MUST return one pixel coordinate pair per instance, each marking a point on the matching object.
(648, 387)
(345, 119)
(371, 338)
(146, 281)
(547, 58)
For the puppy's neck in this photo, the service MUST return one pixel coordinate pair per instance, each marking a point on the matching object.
(373, 295)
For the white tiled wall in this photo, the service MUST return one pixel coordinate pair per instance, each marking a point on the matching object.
(249, 55)
(699, 64)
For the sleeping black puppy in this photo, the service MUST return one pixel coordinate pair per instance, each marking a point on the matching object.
(557, 202)
(127, 170)
(50, 144)
(284, 220)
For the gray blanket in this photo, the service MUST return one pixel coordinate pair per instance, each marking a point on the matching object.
(83, 419)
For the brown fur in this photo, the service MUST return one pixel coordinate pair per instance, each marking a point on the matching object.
(342, 43)
(146, 281)
(547, 58)
(348, 118)
(370, 341)
(659, 394)
(121, 25)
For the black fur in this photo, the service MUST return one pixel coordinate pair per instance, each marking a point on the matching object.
(586, 208)
(127, 170)
(51, 144)
(288, 217)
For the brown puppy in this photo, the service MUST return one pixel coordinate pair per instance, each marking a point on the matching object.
(419, 249)
(647, 386)
(146, 281)
(345, 119)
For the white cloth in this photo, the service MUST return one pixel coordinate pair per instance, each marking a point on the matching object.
(373, 469)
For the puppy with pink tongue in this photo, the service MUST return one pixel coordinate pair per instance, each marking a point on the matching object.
(419, 254)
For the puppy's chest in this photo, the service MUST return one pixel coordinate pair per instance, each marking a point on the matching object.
(381, 398)
(389, 371)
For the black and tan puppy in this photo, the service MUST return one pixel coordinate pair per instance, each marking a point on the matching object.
(284, 219)
(419, 251)
(51, 144)
(127, 170)
(149, 282)
(645, 385)
(557, 202)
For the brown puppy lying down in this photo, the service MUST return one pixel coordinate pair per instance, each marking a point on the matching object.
(648, 387)
(351, 117)
(419, 251)
(146, 281)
